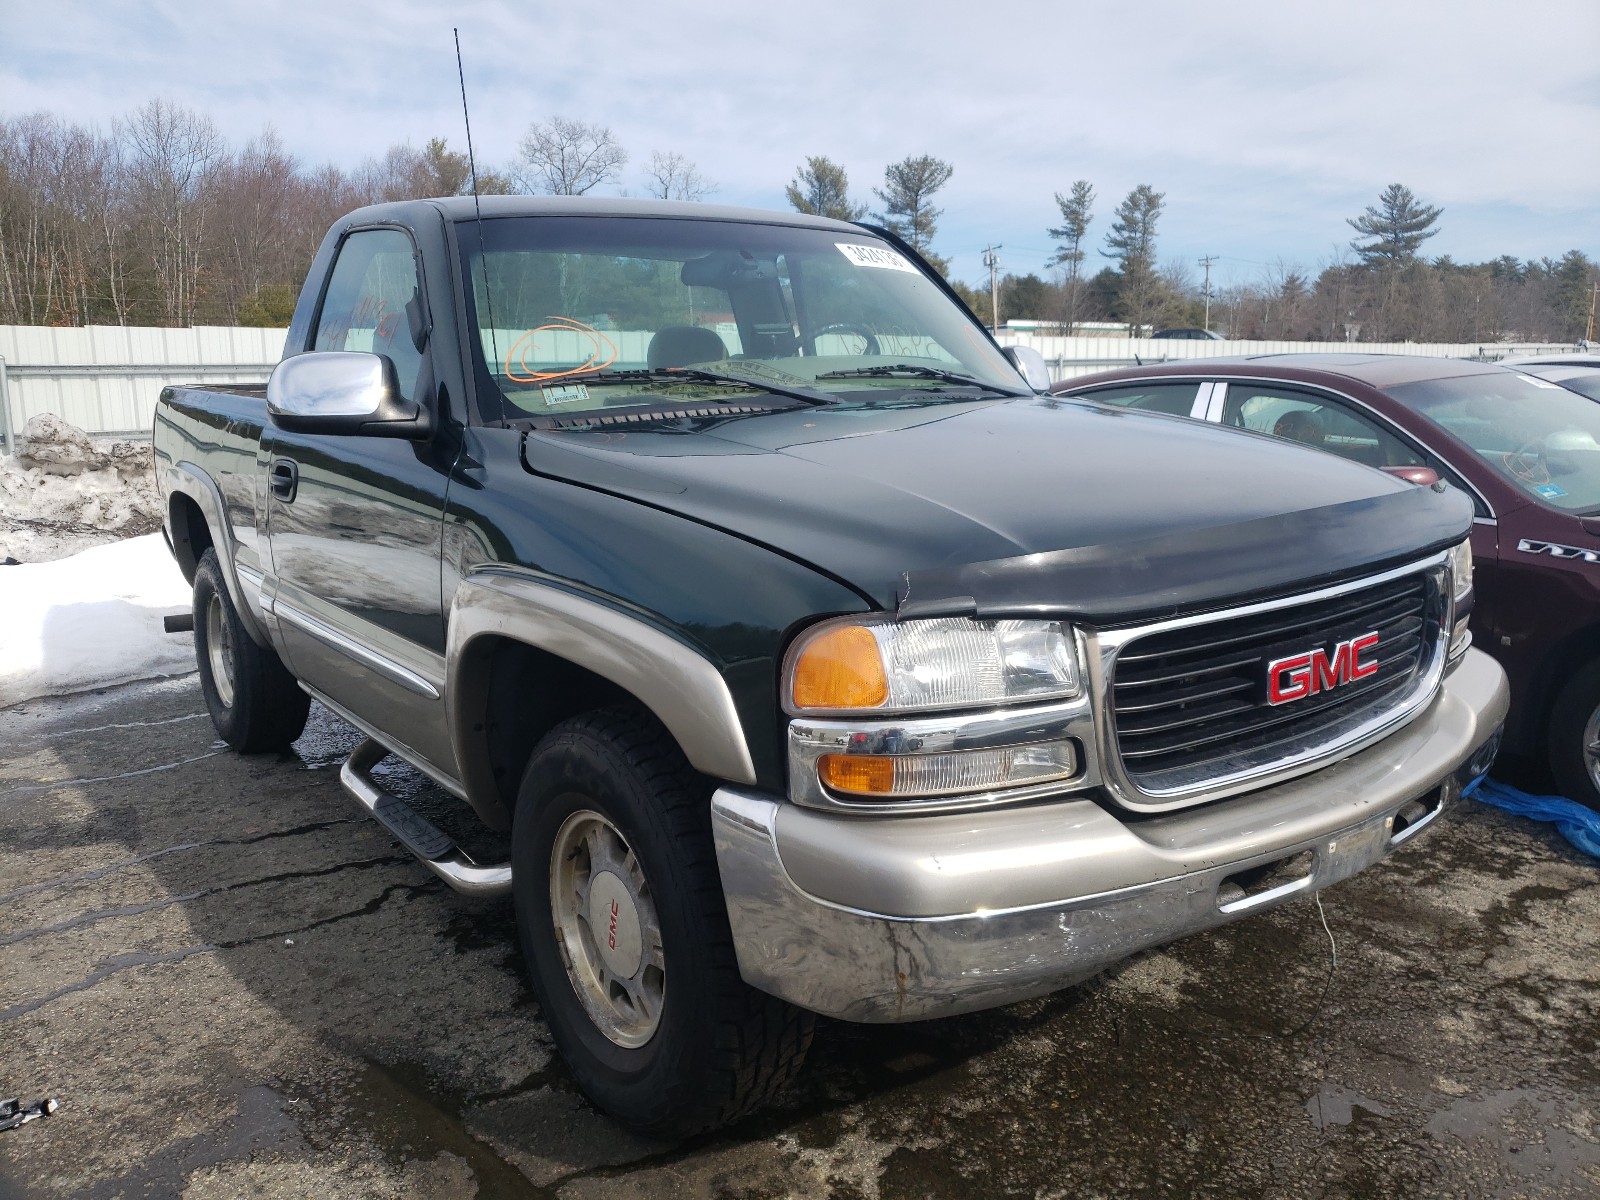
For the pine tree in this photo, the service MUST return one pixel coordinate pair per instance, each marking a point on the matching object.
(1398, 226)
(1132, 242)
(1076, 212)
(822, 189)
(907, 195)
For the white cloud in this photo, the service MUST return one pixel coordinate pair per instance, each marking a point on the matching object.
(1265, 123)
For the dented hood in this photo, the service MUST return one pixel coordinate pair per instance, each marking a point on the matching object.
(1032, 505)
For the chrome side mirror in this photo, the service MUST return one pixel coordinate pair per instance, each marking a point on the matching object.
(342, 391)
(1030, 365)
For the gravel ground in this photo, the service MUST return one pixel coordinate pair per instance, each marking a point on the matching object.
(238, 987)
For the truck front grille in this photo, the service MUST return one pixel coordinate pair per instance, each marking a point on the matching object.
(1190, 704)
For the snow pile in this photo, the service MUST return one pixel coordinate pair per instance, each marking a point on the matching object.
(91, 620)
(62, 492)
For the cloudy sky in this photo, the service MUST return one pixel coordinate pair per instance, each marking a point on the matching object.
(1264, 122)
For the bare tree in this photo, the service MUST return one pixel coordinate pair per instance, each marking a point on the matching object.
(256, 246)
(172, 154)
(671, 176)
(569, 158)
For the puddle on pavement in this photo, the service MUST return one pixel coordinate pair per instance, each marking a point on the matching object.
(1527, 1130)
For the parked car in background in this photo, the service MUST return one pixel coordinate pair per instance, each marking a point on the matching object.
(1580, 372)
(1189, 334)
(1525, 450)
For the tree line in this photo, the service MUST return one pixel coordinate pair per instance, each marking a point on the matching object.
(1378, 287)
(158, 221)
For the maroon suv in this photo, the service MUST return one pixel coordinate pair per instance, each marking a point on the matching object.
(1526, 450)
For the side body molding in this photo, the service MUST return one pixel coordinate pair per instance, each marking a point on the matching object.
(194, 483)
(675, 682)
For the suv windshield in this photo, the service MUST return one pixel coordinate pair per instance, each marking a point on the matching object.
(582, 313)
(1540, 436)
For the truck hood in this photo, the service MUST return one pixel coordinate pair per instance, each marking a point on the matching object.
(1040, 504)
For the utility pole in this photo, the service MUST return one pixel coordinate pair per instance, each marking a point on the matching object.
(991, 259)
(1594, 296)
(1206, 263)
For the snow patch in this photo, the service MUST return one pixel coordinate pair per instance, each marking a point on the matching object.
(62, 492)
(91, 620)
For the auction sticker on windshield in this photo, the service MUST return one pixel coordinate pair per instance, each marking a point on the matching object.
(876, 256)
(571, 393)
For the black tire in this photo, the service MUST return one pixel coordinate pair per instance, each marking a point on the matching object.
(1573, 727)
(720, 1047)
(254, 701)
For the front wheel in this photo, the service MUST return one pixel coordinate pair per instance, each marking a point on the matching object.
(621, 918)
(1575, 737)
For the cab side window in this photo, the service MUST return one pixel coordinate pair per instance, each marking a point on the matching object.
(374, 281)
(1176, 399)
(1318, 421)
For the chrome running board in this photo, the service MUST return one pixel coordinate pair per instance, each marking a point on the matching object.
(416, 833)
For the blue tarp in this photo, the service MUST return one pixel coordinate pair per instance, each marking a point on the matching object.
(1578, 824)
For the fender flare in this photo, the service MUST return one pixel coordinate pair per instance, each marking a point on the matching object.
(673, 680)
(193, 482)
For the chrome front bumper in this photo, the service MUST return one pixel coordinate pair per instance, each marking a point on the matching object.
(884, 919)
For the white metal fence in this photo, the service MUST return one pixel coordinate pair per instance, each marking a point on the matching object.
(105, 379)
(1070, 357)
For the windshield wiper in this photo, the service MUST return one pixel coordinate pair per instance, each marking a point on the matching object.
(919, 372)
(698, 375)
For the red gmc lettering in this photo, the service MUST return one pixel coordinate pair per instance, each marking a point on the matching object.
(612, 933)
(1330, 672)
(1302, 675)
(1357, 645)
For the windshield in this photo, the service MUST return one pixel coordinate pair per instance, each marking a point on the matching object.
(1583, 380)
(563, 307)
(1540, 436)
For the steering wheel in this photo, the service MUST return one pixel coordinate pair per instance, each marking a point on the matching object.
(845, 327)
(1517, 462)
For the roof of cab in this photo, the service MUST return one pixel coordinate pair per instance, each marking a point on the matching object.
(463, 208)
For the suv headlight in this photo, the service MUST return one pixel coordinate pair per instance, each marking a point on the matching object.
(857, 664)
(1461, 594)
(1461, 569)
(871, 675)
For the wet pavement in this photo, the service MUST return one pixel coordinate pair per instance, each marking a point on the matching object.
(239, 987)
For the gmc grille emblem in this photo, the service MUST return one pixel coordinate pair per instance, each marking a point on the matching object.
(1302, 675)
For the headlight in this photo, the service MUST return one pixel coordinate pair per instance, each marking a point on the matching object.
(857, 664)
(1461, 587)
(1461, 568)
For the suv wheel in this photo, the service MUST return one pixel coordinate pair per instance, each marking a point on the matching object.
(1575, 737)
(254, 701)
(620, 914)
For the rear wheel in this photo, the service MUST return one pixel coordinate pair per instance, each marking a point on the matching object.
(253, 700)
(1575, 737)
(620, 913)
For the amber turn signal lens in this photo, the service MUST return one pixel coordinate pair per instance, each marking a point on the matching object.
(841, 669)
(864, 774)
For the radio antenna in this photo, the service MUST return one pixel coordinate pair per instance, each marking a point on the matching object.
(477, 209)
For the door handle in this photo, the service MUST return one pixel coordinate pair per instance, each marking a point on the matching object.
(285, 476)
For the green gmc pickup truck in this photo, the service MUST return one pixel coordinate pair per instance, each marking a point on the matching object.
(813, 659)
